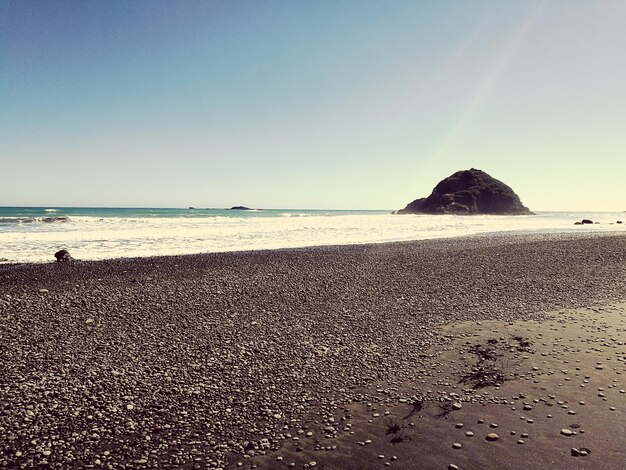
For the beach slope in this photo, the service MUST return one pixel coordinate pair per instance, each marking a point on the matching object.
(268, 359)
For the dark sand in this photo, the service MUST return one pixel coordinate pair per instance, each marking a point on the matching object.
(267, 359)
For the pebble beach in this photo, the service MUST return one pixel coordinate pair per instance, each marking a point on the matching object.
(495, 351)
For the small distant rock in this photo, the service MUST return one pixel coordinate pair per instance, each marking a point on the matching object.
(619, 221)
(492, 436)
(63, 255)
(567, 432)
(49, 220)
(584, 222)
(240, 208)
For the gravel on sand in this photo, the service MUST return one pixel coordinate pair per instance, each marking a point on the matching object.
(188, 360)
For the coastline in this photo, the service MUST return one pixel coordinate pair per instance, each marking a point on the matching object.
(156, 234)
(512, 236)
(210, 356)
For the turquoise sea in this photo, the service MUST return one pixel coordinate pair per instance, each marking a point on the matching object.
(34, 234)
(32, 214)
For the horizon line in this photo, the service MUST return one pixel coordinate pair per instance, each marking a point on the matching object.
(262, 208)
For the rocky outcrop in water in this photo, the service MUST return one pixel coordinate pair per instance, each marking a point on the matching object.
(469, 192)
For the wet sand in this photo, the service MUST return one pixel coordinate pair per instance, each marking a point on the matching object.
(267, 359)
(552, 392)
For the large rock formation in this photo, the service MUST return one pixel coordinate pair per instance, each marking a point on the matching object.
(469, 192)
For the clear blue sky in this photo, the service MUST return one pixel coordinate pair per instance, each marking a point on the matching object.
(310, 104)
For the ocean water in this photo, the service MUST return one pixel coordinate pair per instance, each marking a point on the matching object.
(34, 234)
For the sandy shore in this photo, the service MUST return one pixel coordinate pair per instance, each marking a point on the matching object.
(346, 357)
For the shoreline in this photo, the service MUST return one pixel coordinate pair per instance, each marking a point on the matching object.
(225, 355)
(513, 235)
(110, 238)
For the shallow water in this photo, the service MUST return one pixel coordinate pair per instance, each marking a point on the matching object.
(35, 234)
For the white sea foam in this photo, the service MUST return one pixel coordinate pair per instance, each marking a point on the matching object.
(91, 238)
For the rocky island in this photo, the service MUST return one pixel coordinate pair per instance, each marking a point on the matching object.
(469, 192)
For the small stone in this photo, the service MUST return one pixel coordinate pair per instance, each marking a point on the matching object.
(469, 433)
(453, 467)
(456, 445)
(457, 405)
(566, 432)
(575, 452)
(492, 436)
